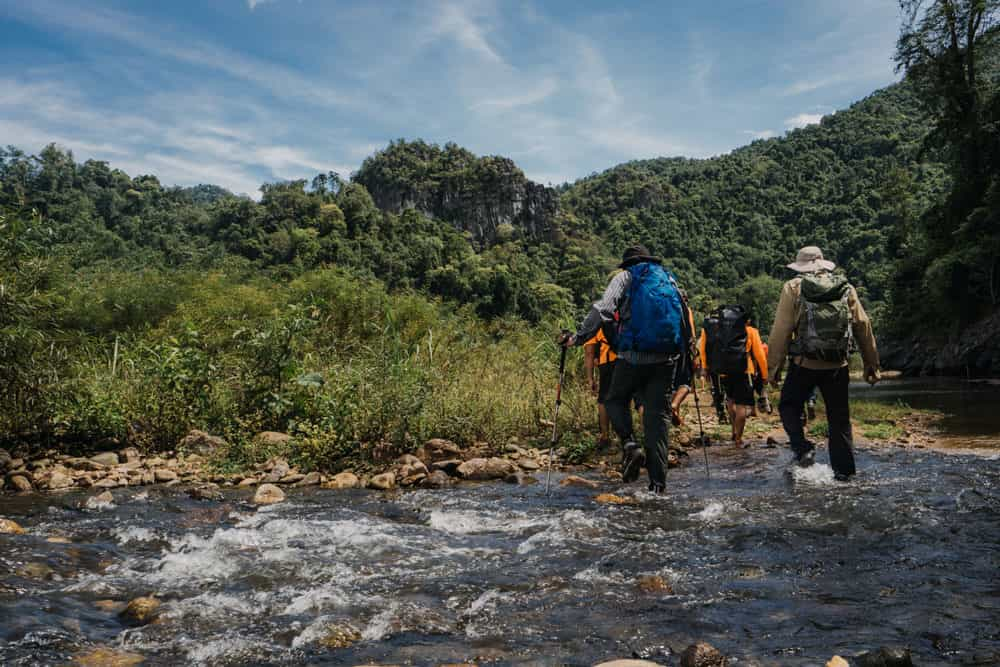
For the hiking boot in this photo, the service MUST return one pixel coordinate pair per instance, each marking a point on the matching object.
(811, 410)
(806, 458)
(764, 405)
(632, 459)
(657, 488)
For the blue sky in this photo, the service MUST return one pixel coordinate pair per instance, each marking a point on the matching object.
(240, 92)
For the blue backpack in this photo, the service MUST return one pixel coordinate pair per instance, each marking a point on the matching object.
(655, 323)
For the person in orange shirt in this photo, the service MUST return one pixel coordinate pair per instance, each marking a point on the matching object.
(599, 366)
(738, 384)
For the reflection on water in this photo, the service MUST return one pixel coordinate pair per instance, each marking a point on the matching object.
(971, 409)
(769, 567)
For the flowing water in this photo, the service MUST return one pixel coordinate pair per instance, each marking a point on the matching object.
(770, 567)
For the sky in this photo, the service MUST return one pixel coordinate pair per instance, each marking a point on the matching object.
(242, 92)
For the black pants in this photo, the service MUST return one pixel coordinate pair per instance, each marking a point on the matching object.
(799, 384)
(652, 384)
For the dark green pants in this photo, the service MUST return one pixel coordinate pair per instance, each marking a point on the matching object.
(652, 383)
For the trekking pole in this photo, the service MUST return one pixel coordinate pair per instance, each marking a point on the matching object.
(555, 416)
(701, 431)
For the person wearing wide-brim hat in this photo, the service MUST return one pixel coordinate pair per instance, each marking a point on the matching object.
(644, 370)
(817, 314)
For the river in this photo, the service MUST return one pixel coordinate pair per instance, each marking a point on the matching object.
(770, 567)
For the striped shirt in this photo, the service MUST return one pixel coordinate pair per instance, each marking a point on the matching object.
(616, 299)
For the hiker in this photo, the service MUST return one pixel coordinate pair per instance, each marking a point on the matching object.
(599, 367)
(733, 349)
(718, 394)
(817, 314)
(683, 372)
(648, 339)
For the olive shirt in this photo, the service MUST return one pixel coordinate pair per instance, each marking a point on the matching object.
(787, 317)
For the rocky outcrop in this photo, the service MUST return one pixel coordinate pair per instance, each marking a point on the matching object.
(974, 353)
(478, 195)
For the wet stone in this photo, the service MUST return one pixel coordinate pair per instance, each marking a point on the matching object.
(437, 480)
(612, 499)
(99, 500)
(205, 492)
(520, 478)
(702, 655)
(837, 661)
(574, 480)
(19, 483)
(885, 657)
(268, 494)
(626, 662)
(486, 468)
(164, 475)
(343, 480)
(339, 636)
(654, 583)
(140, 611)
(383, 482)
(10, 527)
(107, 657)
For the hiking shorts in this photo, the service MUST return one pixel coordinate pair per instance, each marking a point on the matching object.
(683, 377)
(739, 388)
(604, 373)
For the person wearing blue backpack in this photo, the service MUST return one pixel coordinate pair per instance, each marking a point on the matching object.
(645, 311)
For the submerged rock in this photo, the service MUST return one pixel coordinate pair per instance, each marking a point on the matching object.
(485, 469)
(383, 482)
(574, 480)
(885, 657)
(343, 480)
(110, 606)
(108, 657)
(268, 494)
(654, 583)
(702, 655)
(205, 492)
(35, 571)
(10, 527)
(612, 499)
(140, 611)
(339, 636)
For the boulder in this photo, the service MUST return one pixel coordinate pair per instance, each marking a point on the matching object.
(837, 661)
(15, 464)
(438, 479)
(140, 611)
(574, 480)
(702, 655)
(99, 500)
(272, 439)
(164, 475)
(383, 482)
(277, 469)
(199, 442)
(107, 657)
(268, 494)
(439, 449)
(19, 483)
(108, 459)
(483, 468)
(343, 480)
(10, 527)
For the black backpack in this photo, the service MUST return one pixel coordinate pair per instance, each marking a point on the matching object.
(726, 341)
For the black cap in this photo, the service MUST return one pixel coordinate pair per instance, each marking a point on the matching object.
(636, 254)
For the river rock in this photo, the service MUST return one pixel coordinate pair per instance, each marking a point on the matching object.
(448, 466)
(5, 459)
(574, 480)
(383, 482)
(107, 657)
(439, 449)
(108, 459)
(654, 583)
(40, 464)
(205, 492)
(164, 475)
(19, 483)
(487, 468)
(140, 611)
(10, 527)
(268, 494)
(528, 464)
(107, 483)
(310, 479)
(272, 439)
(99, 501)
(339, 636)
(247, 481)
(130, 455)
(885, 657)
(837, 661)
(702, 655)
(199, 442)
(58, 539)
(343, 480)
(36, 571)
(292, 478)
(612, 499)
(520, 478)
(278, 468)
(438, 479)
(56, 480)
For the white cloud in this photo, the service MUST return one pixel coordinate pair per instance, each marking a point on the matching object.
(760, 134)
(252, 4)
(455, 20)
(802, 120)
(538, 93)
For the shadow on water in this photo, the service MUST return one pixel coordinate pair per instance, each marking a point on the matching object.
(770, 568)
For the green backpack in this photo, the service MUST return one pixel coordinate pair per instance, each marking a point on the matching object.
(823, 331)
